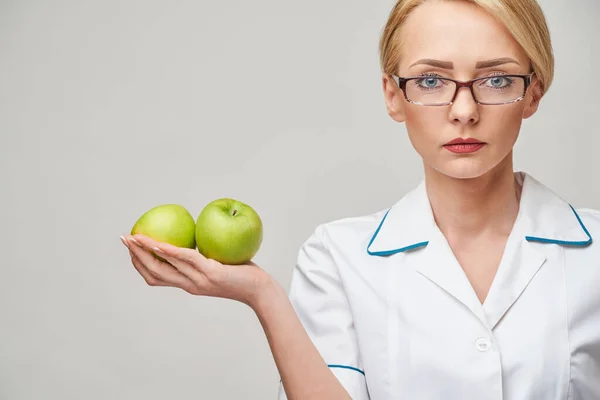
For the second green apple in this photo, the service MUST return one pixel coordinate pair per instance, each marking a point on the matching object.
(229, 231)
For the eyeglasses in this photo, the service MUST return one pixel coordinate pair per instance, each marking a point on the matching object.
(434, 90)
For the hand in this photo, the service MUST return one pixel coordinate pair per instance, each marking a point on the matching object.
(189, 270)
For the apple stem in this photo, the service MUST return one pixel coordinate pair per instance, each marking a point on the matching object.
(234, 212)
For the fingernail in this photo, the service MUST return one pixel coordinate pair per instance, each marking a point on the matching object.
(135, 241)
(124, 241)
(157, 250)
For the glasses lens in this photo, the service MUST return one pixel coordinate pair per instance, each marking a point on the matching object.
(499, 89)
(430, 91)
(433, 91)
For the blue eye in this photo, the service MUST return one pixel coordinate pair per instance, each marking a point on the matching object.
(430, 82)
(499, 82)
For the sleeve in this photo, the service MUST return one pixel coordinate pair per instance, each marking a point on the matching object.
(319, 299)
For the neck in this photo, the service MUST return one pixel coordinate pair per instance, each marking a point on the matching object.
(486, 205)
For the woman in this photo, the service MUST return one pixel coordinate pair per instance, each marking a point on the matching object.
(480, 283)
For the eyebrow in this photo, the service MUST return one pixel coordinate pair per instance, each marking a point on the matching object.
(495, 62)
(480, 65)
(434, 63)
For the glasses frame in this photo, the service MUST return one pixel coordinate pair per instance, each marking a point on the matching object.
(401, 82)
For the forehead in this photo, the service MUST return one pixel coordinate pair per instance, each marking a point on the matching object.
(456, 31)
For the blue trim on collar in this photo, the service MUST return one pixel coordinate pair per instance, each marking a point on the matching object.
(376, 232)
(529, 238)
(390, 252)
(544, 240)
(345, 367)
(400, 250)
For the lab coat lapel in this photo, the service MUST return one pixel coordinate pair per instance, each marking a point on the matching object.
(409, 227)
(543, 218)
(438, 264)
(405, 226)
(520, 263)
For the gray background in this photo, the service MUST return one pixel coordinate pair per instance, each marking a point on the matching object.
(109, 108)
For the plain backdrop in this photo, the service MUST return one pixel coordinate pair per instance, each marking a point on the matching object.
(109, 108)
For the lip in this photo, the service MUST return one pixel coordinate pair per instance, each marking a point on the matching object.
(463, 141)
(464, 146)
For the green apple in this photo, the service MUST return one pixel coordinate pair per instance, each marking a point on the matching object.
(229, 231)
(168, 223)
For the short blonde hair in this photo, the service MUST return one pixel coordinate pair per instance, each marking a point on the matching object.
(524, 19)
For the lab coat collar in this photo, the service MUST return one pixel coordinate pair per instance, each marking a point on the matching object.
(544, 217)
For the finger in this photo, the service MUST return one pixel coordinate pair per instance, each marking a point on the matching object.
(189, 262)
(154, 281)
(133, 257)
(189, 256)
(148, 277)
(192, 272)
(161, 270)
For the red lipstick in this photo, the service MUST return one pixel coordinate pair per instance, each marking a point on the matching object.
(462, 146)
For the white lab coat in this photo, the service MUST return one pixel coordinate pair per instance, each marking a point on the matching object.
(391, 311)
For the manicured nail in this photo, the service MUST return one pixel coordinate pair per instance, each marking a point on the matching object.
(135, 241)
(124, 242)
(157, 250)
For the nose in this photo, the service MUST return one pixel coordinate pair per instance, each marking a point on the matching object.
(464, 109)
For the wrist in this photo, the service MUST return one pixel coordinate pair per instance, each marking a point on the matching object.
(268, 292)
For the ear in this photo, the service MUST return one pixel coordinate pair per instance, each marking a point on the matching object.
(533, 97)
(394, 98)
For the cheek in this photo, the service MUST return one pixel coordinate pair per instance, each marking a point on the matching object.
(502, 125)
(426, 127)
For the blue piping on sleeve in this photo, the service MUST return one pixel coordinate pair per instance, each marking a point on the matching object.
(344, 367)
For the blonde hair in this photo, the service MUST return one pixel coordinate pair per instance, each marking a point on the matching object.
(524, 19)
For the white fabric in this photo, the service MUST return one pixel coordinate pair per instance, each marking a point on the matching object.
(322, 305)
(383, 293)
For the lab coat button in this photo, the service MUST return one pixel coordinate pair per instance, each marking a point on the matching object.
(483, 344)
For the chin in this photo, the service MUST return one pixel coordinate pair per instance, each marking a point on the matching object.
(472, 166)
(464, 168)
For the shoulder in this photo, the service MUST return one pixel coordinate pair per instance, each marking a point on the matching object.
(590, 221)
(352, 230)
(589, 216)
(584, 261)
